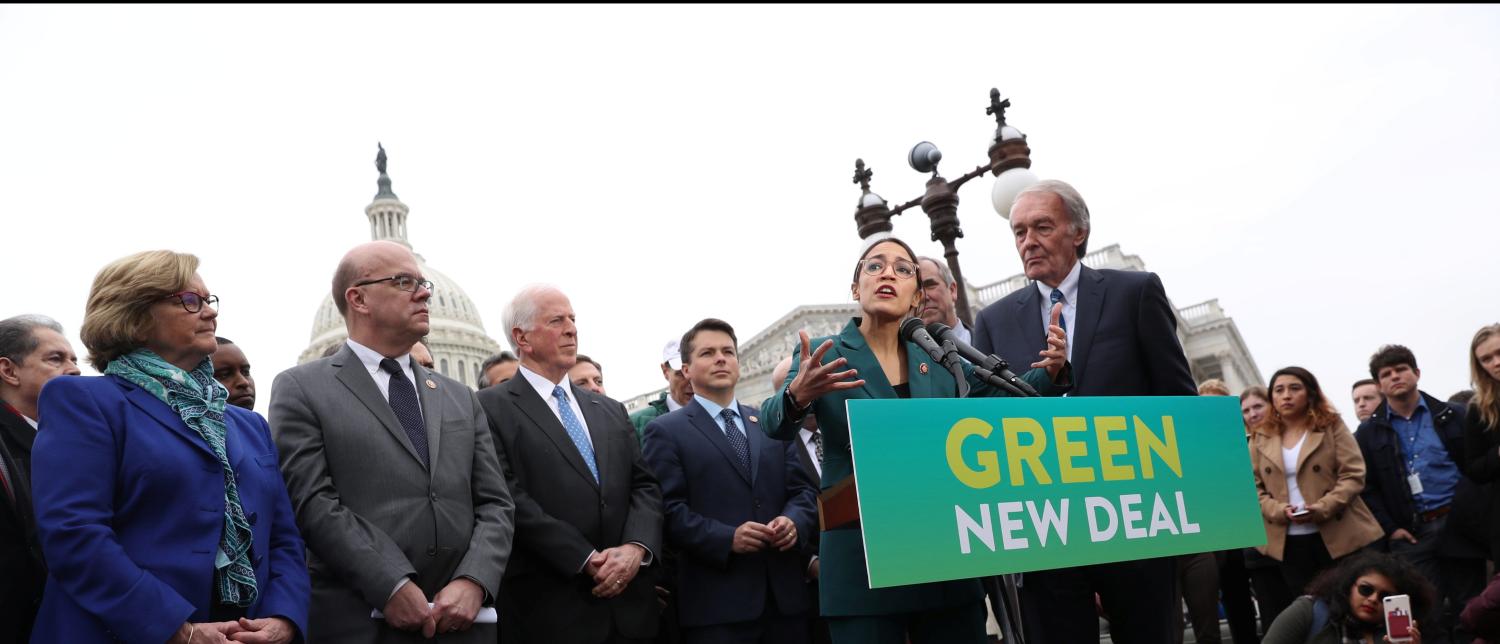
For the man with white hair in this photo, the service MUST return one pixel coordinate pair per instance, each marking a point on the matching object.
(1122, 341)
(588, 510)
(32, 352)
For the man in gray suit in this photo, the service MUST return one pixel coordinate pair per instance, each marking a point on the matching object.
(588, 510)
(392, 471)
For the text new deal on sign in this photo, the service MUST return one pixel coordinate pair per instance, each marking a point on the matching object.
(959, 488)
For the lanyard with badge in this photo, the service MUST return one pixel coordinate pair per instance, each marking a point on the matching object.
(1412, 479)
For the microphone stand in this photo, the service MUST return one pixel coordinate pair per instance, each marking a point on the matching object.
(956, 368)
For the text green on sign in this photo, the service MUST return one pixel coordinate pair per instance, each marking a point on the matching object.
(959, 488)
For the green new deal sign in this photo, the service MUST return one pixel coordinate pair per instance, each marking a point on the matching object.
(959, 488)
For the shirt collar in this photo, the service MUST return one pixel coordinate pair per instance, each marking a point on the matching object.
(541, 385)
(1069, 286)
(714, 409)
(671, 404)
(1421, 406)
(371, 358)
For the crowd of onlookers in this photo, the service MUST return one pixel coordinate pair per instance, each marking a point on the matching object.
(381, 501)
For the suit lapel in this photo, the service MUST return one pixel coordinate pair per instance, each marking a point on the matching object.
(754, 440)
(853, 349)
(922, 382)
(1270, 447)
(1310, 442)
(163, 414)
(1029, 318)
(17, 428)
(432, 409)
(1088, 308)
(352, 373)
(598, 426)
(541, 416)
(698, 416)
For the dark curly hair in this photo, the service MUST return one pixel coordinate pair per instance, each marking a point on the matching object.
(1334, 584)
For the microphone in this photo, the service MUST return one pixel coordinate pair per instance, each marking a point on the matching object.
(913, 331)
(989, 363)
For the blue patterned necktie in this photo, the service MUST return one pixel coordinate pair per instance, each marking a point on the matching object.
(736, 439)
(402, 396)
(1062, 320)
(575, 430)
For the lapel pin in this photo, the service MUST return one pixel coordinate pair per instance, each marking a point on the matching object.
(922, 367)
(431, 384)
(754, 419)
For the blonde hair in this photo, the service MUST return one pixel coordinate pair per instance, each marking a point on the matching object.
(1213, 387)
(1486, 388)
(118, 312)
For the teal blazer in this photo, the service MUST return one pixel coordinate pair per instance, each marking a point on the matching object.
(843, 588)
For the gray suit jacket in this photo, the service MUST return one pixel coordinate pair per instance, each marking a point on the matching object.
(370, 511)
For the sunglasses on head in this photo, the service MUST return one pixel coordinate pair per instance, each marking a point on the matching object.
(1366, 589)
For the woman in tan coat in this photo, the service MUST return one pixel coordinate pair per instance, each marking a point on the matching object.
(1309, 473)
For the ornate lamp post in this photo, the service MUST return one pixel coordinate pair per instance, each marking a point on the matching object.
(1010, 162)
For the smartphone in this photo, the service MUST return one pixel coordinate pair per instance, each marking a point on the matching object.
(1398, 618)
(1298, 513)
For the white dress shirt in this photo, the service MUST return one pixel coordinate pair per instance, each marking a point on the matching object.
(672, 404)
(544, 389)
(371, 358)
(1069, 288)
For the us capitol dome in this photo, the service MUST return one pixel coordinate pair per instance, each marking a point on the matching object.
(457, 339)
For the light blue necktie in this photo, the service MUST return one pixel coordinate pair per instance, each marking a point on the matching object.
(575, 430)
(1062, 320)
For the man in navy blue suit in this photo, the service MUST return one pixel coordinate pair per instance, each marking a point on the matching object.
(737, 505)
(1122, 341)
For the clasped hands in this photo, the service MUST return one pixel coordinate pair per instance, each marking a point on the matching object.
(613, 568)
(780, 534)
(453, 608)
(268, 630)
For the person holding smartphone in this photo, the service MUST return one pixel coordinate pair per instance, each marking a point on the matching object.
(1309, 473)
(1371, 598)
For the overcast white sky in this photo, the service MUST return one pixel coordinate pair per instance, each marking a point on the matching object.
(1329, 173)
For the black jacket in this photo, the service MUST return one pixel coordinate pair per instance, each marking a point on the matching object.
(21, 571)
(1389, 496)
(1482, 456)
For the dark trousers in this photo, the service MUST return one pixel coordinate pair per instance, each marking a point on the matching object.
(1198, 581)
(771, 629)
(1139, 598)
(1302, 558)
(1457, 579)
(956, 625)
(1234, 591)
(1271, 594)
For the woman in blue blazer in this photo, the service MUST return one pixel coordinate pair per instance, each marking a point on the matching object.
(869, 360)
(161, 511)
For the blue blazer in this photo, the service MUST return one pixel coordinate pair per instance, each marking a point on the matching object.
(706, 495)
(1125, 342)
(130, 506)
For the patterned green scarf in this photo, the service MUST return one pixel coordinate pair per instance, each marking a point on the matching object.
(199, 400)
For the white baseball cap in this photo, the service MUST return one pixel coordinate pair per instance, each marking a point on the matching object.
(672, 354)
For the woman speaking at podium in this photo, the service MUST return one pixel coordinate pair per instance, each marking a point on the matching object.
(869, 360)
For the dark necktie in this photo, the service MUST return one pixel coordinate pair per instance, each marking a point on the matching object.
(403, 398)
(1062, 320)
(817, 439)
(736, 439)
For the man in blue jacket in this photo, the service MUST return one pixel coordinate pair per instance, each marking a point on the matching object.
(1432, 515)
(737, 505)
